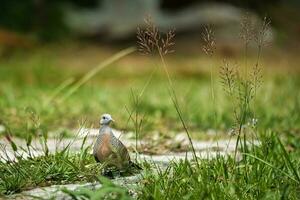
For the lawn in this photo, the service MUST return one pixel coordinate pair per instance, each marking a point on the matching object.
(32, 105)
(28, 81)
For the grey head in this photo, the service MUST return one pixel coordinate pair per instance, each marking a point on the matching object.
(106, 119)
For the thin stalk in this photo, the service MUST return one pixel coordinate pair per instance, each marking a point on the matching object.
(272, 166)
(138, 125)
(287, 158)
(213, 96)
(165, 66)
(58, 90)
(246, 60)
(95, 70)
(176, 105)
(142, 91)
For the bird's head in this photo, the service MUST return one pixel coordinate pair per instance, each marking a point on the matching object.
(106, 119)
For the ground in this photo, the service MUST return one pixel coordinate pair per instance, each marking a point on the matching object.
(33, 83)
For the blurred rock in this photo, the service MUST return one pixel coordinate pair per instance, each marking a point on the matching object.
(115, 19)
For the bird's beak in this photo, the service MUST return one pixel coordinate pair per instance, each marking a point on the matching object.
(112, 120)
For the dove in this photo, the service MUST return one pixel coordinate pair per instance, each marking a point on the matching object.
(108, 149)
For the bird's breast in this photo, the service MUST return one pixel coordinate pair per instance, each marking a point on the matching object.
(104, 149)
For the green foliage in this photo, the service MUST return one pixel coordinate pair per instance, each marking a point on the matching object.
(29, 170)
(254, 177)
(108, 190)
(29, 81)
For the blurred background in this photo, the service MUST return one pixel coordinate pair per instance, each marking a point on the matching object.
(23, 23)
(45, 44)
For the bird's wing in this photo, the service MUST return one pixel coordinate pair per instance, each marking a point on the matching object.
(119, 148)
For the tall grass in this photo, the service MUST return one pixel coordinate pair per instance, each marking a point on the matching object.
(225, 178)
(209, 48)
(242, 86)
(135, 115)
(152, 41)
(89, 75)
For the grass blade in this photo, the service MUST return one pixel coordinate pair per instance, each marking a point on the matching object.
(95, 70)
(287, 158)
(270, 165)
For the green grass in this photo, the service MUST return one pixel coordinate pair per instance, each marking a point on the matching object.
(268, 171)
(28, 81)
(108, 190)
(263, 174)
(61, 167)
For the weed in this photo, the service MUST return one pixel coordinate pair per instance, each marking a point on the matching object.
(108, 190)
(94, 71)
(242, 88)
(150, 41)
(209, 48)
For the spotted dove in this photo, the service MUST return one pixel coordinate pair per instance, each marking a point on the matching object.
(108, 149)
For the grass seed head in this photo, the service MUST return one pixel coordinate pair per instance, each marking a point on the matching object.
(150, 40)
(208, 37)
(247, 29)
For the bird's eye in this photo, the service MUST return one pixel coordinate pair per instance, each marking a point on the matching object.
(103, 117)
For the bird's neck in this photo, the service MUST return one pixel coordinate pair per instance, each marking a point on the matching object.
(104, 127)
